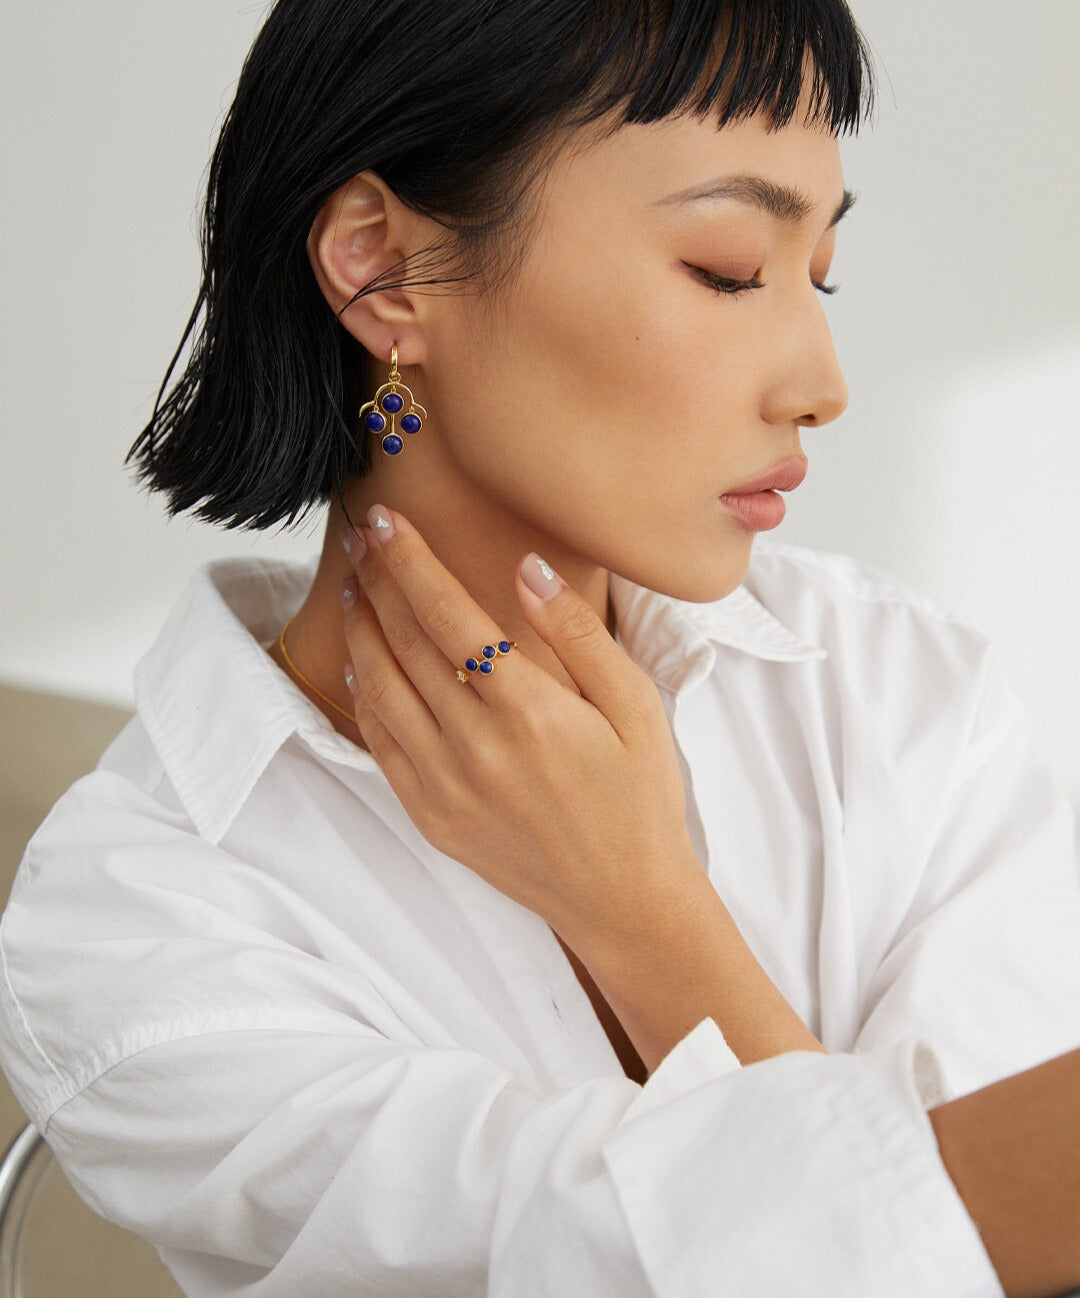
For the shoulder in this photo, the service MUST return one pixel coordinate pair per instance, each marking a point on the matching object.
(827, 576)
(903, 670)
(863, 615)
(125, 798)
(115, 915)
(68, 884)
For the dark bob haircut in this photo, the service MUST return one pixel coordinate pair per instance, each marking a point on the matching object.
(455, 104)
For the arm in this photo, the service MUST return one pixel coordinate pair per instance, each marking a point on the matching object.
(680, 958)
(293, 1162)
(984, 956)
(1013, 1152)
(995, 922)
(1012, 1149)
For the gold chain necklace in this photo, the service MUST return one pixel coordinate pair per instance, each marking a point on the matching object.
(295, 671)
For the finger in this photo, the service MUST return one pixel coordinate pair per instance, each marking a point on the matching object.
(383, 689)
(399, 769)
(604, 673)
(431, 673)
(448, 617)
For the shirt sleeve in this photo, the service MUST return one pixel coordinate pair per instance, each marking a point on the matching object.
(986, 963)
(273, 1163)
(240, 1102)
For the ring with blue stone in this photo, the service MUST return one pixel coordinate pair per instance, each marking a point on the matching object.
(484, 664)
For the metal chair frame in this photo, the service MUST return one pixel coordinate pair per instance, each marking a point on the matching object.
(22, 1168)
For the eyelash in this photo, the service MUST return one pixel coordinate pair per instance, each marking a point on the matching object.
(733, 287)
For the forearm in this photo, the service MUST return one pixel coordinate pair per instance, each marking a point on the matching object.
(1013, 1152)
(1012, 1149)
(682, 959)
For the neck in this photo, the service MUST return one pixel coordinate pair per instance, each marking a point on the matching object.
(477, 542)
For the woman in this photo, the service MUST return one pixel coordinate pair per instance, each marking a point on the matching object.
(668, 946)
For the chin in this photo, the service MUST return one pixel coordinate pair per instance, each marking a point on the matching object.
(705, 583)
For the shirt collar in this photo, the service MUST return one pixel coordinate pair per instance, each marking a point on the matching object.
(217, 708)
(675, 640)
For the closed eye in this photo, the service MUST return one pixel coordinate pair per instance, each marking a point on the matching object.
(733, 287)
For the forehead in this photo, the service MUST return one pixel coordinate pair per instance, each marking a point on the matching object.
(644, 167)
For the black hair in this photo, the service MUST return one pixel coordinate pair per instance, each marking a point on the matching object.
(452, 103)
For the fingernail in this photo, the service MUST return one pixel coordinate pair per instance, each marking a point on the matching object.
(541, 579)
(381, 524)
(348, 592)
(350, 679)
(354, 544)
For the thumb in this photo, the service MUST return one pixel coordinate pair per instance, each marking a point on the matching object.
(603, 673)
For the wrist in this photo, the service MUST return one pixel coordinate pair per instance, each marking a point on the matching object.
(677, 957)
(653, 901)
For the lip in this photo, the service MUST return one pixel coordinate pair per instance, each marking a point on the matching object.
(785, 476)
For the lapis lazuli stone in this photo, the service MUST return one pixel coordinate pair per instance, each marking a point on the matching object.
(471, 664)
(411, 423)
(374, 421)
(504, 646)
(392, 403)
(486, 668)
(488, 651)
(392, 443)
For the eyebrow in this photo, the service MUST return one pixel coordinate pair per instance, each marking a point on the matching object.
(787, 204)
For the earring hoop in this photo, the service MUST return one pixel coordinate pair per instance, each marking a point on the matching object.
(395, 400)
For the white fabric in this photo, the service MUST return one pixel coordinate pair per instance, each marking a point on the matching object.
(264, 1023)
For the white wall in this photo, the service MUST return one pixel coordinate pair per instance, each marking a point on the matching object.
(957, 462)
(958, 325)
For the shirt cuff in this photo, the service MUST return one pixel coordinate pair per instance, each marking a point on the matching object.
(699, 1057)
(802, 1173)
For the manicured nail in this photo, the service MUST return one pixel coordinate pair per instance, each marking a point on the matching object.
(381, 524)
(541, 579)
(354, 544)
(348, 592)
(350, 679)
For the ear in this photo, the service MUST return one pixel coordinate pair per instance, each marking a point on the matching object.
(361, 231)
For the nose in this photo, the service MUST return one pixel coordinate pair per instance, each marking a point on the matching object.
(808, 387)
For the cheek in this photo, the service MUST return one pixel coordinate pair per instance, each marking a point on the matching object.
(604, 339)
(572, 363)
(600, 390)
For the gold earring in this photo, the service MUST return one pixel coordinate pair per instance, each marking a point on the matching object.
(395, 399)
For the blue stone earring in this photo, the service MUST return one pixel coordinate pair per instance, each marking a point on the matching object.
(390, 401)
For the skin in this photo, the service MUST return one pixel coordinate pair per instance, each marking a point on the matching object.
(598, 412)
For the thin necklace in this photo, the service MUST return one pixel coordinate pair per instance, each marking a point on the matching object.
(295, 671)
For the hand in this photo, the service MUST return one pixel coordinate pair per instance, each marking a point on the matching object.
(571, 805)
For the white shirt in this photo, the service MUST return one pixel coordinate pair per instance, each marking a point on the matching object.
(265, 1024)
